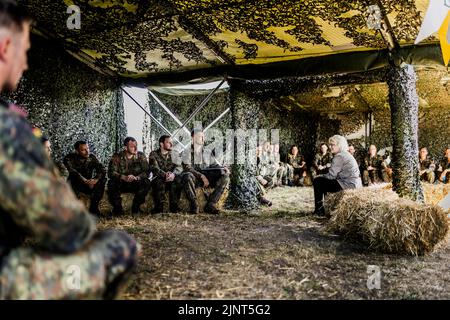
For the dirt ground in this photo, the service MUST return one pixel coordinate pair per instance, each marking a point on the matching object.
(281, 252)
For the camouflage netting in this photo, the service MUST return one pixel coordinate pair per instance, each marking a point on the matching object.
(343, 109)
(140, 38)
(69, 101)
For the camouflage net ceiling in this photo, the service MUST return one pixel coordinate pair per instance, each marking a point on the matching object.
(145, 38)
(433, 88)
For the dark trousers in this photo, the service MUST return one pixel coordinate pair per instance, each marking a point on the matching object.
(174, 188)
(322, 186)
(95, 194)
(116, 187)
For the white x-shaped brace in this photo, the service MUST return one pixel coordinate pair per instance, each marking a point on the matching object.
(182, 126)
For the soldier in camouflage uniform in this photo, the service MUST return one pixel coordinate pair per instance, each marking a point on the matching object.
(86, 174)
(199, 170)
(298, 164)
(269, 167)
(167, 176)
(426, 166)
(372, 167)
(68, 259)
(322, 161)
(443, 171)
(128, 172)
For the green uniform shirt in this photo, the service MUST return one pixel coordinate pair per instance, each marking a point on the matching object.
(120, 165)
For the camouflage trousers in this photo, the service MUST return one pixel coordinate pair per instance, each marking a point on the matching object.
(428, 177)
(159, 186)
(218, 182)
(116, 187)
(98, 271)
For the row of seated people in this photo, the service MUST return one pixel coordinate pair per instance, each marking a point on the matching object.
(374, 168)
(129, 171)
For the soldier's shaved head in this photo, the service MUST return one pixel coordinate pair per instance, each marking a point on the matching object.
(14, 43)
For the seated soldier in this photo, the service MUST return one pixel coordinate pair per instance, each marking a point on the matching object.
(443, 172)
(426, 166)
(203, 171)
(386, 167)
(283, 174)
(270, 169)
(66, 258)
(259, 180)
(128, 173)
(166, 177)
(322, 161)
(298, 163)
(86, 174)
(371, 167)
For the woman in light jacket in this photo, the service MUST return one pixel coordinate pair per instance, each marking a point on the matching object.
(343, 174)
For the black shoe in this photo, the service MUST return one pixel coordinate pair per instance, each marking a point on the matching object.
(265, 202)
(157, 210)
(211, 209)
(94, 210)
(175, 209)
(319, 212)
(193, 210)
(135, 209)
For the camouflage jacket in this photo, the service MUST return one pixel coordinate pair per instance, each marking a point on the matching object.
(427, 165)
(121, 166)
(34, 200)
(195, 163)
(296, 162)
(269, 164)
(160, 164)
(80, 167)
(322, 160)
(376, 162)
(443, 165)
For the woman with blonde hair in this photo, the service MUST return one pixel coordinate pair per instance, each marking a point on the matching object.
(343, 174)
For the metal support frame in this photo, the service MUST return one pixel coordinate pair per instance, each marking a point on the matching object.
(167, 110)
(200, 107)
(151, 116)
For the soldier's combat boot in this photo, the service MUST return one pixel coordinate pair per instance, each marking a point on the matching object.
(193, 210)
(211, 208)
(157, 209)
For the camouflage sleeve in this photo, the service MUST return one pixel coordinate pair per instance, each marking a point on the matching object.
(154, 166)
(315, 163)
(144, 167)
(99, 169)
(37, 199)
(69, 166)
(114, 167)
(189, 168)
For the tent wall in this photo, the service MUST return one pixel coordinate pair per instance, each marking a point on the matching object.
(70, 101)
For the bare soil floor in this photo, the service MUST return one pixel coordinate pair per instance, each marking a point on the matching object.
(282, 252)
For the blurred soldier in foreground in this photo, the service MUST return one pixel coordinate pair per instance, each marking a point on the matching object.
(86, 174)
(69, 259)
(128, 172)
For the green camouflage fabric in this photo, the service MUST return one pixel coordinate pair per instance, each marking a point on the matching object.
(444, 164)
(37, 204)
(136, 166)
(80, 167)
(321, 160)
(201, 164)
(160, 164)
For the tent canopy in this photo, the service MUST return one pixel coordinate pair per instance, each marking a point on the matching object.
(179, 41)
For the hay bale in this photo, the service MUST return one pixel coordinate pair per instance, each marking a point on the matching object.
(127, 200)
(386, 222)
(435, 193)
